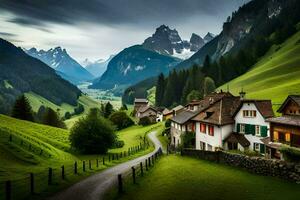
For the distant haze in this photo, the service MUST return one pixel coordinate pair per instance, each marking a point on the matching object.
(98, 28)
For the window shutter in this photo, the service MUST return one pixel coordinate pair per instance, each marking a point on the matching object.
(238, 126)
(262, 148)
(254, 146)
(252, 129)
(247, 129)
(264, 131)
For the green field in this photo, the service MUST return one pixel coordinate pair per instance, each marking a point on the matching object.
(27, 147)
(176, 177)
(274, 77)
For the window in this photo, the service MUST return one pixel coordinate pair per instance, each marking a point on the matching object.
(249, 113)
(287, 137)
(256, 147)
(202, 146)
(211, 130)
(202, 128)
(257, 130)
(275, 136)
(209, 147)
(242, 128)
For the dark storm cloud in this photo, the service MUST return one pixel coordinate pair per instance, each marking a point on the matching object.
(37, 12)
(7, 34)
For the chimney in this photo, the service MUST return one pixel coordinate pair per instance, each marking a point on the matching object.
(174, 113)
(242, 94)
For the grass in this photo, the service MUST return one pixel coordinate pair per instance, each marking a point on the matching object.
(151, 95)
(275, 76)
(35, 147)
(176, 177)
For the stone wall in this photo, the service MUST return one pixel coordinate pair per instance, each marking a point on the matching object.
(257, 165)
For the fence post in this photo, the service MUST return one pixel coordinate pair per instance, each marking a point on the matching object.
(90, 164)
(113, 156)
(149, 162)
(133, 174)
(146, 163)
(103, 160)
(8, 190)
(128, 151)
(50, 176)
(31, 183)
(152, 159)
(97, 164)
(121, 154)
(117, 155)
(75, 167)
(63, 172)
(120, 184)
(141, 165)
(109, 157)
(83, 166)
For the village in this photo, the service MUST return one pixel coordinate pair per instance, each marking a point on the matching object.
(222, 121)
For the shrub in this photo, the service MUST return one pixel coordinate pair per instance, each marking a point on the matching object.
(119, 144)
(121, 120)
(290, 154)
(144, 121)
(68, 115)
(93, 134)
(168, 123)
(188, 139)
(52, 118)
(22, 109)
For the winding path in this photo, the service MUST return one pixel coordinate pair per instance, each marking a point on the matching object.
(94, 187)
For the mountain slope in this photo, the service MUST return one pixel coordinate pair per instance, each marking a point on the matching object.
(62, 62)
(21, 73)
(275, 76)
(98, 67)
(132, 65)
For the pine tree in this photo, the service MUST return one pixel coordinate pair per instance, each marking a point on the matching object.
(22, 109)
(108, 110)
(206, 64)
(160, 90)
(52, 118)
(209, 85)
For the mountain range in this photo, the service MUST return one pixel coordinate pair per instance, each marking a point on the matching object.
(159, 53)
(98, 67)
(63, 63)
(21, 73)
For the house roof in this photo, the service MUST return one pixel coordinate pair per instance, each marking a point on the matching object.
(294, 98)
(221, 112)
(140, 100)
(183, 116)
(263, 106)
(177, 108)
(145, 108)
(267, 142)
(238, 138)
(293, 120)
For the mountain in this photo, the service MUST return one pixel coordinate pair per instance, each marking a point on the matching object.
(21, 73)
(62, 62)
(98, 67)
(168, 42)
(132, 65)
(275, 76)
(249, 22)
(208, 37)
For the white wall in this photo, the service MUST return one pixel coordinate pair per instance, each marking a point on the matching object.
(216, 141)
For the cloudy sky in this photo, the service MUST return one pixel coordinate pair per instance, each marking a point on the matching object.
(98, 28)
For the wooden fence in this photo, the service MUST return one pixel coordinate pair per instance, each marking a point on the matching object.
(35, 183)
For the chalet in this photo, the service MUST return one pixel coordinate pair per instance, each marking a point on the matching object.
(285, 130)
(181, 124)
(215, 123)
(139, 103)
(250, 126)
(167, 114)
(154, 114)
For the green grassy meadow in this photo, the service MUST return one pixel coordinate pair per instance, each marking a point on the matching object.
(176, 177)
(27, 147)
(274, 77)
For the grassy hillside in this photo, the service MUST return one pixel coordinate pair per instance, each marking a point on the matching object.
(176, 177)
(275, 76)
(151, 95)
(27, 147)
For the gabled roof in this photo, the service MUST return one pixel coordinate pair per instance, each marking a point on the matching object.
(140, 100)
(263, 106)
(238, 138)
(177, 108)
(145, 108)
(183, 116)
(293, 120)
(219, 113)
(294, 98)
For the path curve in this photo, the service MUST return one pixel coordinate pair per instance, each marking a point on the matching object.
(94, 187)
